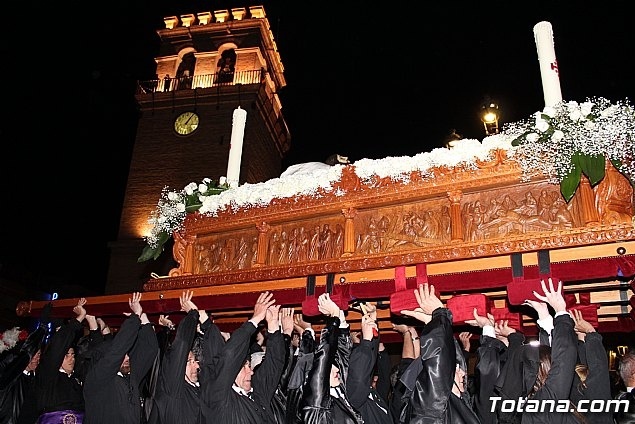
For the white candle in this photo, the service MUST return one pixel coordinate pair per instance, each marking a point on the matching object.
(543, 35)
(236, 146)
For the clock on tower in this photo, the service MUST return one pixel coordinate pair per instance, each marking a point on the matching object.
(210, 63)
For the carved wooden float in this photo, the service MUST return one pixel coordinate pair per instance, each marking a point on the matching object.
(464, 223)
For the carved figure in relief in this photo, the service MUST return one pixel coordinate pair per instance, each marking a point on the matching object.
(314, 245)
(544, 205)
(302, 245)
(272, 256)
(224, 260)
(492, 210)
(242, 256)
(292, 247)
(508, 203)
(369, 242)
(560, 214)
(326, 242)
(203, 262)
(283, 244)
(254, 251)
(528, 206)
(339, 241)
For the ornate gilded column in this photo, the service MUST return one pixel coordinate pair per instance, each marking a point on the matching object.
(349, 231)
(456, 223)
(263, 231)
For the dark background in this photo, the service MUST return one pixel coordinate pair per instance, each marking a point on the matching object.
(365, 79)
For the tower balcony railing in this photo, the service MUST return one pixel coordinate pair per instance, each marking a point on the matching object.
(201, 81)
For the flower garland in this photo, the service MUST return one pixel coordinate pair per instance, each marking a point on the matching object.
(10, 337)
(561, 142)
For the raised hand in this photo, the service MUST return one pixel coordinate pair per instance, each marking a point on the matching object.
(582, 326)
(265, 300)
(400, 328)
(186, 301)
(540, 307)
(273, 318)
(427, 299)
(166, 322)
(135, 305)
(552, 296)
(418, 314)
(327, 306)
(481, 321)
(464, 337)
(369, 327)
(79, 309)
(299, 324)
(286, 320)
(502, 328)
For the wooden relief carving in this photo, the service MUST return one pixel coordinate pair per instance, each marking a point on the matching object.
(221, 253)
(402, 228)
(515, 211)
(306, 242)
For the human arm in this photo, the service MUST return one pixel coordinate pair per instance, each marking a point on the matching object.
(361, 364)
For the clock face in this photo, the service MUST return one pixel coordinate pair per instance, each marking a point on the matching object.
(186, 123)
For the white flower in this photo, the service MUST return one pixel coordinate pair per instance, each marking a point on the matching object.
(586, 108)
(550, 111)
(532, 138)
(575, 115)
(557, 136)
(189, 189)
(542, 125)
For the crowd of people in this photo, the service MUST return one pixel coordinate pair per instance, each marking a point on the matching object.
(275, 369)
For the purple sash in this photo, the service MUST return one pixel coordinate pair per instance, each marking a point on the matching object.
(67, 416)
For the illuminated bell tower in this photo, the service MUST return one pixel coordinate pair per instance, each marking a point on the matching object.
(209, 64)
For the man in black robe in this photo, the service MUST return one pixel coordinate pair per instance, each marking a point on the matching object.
(177, 398)
(111, 390)
(237, 394)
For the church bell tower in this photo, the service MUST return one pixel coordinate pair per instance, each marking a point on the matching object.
(209, 64)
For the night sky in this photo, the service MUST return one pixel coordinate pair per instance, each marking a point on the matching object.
(394, 79)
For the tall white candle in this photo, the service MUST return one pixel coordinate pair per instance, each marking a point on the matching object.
(236, 146)
(543, 35)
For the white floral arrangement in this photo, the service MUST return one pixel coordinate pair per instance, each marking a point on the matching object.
(9, 338)
(561, 142)
(570, 139)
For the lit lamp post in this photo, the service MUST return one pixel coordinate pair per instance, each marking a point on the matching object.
(490, 116)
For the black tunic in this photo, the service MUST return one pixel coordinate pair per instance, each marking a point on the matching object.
(557, 386)
(222, 404)
(363, 397)
(55, 390)
(176, 400)
(591, 352)
(110, 397)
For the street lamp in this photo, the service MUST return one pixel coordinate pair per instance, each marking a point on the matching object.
(490, 116)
